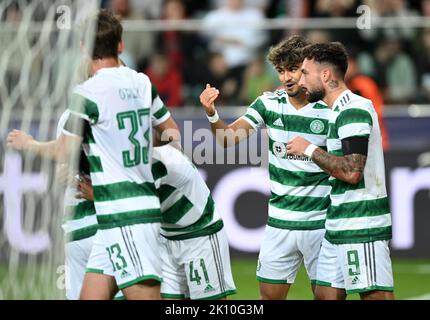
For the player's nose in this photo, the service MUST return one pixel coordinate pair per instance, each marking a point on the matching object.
(288, 76)
(301, 81)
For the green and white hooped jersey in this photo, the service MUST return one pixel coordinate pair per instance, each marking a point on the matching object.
(80, 217)
(80, 220)
(358, 213)
(299, 188)
(119, 107)
(188, 210)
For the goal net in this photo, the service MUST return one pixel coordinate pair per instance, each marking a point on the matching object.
(40, 62)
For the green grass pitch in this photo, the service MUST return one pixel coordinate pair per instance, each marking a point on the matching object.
(411, 280)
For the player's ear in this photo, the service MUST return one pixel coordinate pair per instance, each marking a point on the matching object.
(121, 46)
(325, 75)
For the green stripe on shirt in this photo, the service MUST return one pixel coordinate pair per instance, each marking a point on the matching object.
(95, 164)
(82, 233)
(251, 118)
(298, 178)
(340, 187)
(353, 115)
(300, 203)
(208, 230)
(83, 105)
(123, 190)
(175, 212)
(356, 209)
(81, 210)
(295, 123)
(296, 225)
(205, 218)
(158, 170)
(160, 113)
(359, 236)
(259, 106)
(165, 191)
(332, 131)
(120, 219)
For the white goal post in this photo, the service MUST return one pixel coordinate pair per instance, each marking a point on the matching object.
(40, 60)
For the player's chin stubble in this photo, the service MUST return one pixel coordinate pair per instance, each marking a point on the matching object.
(295, 93)
(316, 95)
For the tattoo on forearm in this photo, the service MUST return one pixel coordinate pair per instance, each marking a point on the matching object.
(333, 84)
(347, 168)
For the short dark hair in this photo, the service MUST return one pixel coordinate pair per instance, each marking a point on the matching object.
(288, 53)
(108, 35)
(333, 53)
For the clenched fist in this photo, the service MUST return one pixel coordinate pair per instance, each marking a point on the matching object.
(297, 146)
(18, 140)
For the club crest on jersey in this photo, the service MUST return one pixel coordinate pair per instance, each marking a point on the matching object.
(279, 149)
(317, 126)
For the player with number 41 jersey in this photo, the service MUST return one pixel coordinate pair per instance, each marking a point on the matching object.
(194, 246)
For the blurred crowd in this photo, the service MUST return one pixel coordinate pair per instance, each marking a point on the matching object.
(391, 64)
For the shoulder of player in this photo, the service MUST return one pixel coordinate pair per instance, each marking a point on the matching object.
(141, 75)
(131, 72)
(92, 98)
(355, 98)
(93, 87)
(358, 102)
(85, 90)
(355, 101)
(172, 158)
(146, 83)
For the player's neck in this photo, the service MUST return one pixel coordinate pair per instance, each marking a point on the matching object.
(333, 92)
(98, 64)
(299, 101)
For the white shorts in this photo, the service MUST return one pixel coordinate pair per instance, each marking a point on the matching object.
(197, 268)
(357, 267)
(77, 254)
(130, 254)
(282, 252)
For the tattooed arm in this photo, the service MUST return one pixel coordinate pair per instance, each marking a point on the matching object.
(347, 168)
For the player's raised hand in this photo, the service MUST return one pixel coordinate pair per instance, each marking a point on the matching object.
(18, 140)
(207, 99)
